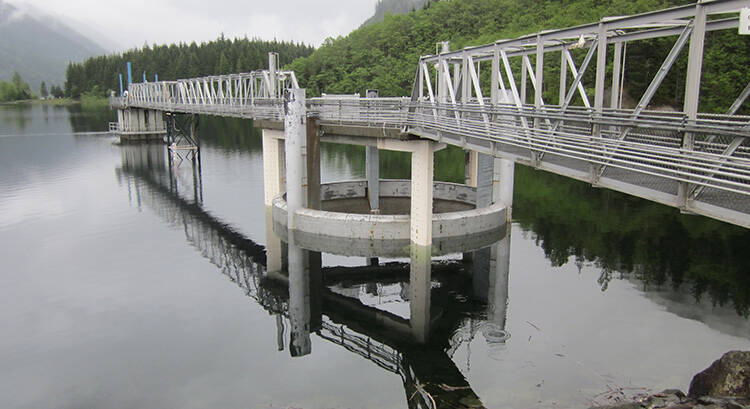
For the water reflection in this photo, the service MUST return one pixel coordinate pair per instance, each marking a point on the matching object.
(307, 299)
(628, 238)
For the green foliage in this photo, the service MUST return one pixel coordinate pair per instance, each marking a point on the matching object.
(96, 76)
(15, 90)
(384, 55)
(43, 90)
(56, 91)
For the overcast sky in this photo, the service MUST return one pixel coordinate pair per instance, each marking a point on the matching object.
(130, 23)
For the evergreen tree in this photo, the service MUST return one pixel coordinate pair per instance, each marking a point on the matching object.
(43, 90)
(99, 75)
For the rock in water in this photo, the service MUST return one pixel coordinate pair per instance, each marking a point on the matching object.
(727, 376)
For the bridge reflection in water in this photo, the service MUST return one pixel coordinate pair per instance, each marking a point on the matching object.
(306, 298)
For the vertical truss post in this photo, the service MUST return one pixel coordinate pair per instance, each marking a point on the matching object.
(495, 78)
(616, 64)
(465, 81)
(457, 78)
(563, 77)
(273, 62)
(692, 88)
(539, 78)
(601, 70)
(420, 81)
(442, 89)
(524, 75)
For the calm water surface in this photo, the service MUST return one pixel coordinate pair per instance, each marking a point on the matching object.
(124, 285)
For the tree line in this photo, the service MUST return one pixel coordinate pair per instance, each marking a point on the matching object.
(99, 75)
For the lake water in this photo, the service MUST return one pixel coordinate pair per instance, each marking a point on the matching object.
(125, 285)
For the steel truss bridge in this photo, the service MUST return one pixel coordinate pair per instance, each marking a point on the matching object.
(697, 162)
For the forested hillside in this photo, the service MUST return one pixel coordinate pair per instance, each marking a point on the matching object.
(383, 7)
(384, 55)
(98, 75)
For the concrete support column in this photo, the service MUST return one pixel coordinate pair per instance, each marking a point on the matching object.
(132, 119)
(295, 139)
(273, 164)
(120, 119)
(472, 163)
(420, 279)
(502, 182)
(142, 120)
(372, 171)
(422, 169)
(273, 185)
(313, 164)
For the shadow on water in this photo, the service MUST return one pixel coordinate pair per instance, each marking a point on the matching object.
(306, 298)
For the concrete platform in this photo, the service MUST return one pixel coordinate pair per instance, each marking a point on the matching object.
(457, 226)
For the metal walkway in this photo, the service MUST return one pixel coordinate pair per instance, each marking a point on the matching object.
(697, 162)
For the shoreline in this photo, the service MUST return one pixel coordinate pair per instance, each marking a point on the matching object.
(85, 100)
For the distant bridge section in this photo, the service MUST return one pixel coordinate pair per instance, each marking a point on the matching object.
(697, 162)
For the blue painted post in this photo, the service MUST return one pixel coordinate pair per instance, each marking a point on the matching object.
(144, 77)
(130, 74)
(121, 84)
(156, 77)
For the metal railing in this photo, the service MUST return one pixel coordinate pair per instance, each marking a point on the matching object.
(650, 157)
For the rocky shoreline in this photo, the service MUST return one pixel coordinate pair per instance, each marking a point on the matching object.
(723, 385)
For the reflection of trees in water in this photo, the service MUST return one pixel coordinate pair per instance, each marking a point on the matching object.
(232, 134)
(87, 118)
(626, 235)
(17, 114)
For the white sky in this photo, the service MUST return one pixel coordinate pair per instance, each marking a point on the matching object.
(125, 24)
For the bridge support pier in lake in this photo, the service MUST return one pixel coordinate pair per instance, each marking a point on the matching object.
(135, 124)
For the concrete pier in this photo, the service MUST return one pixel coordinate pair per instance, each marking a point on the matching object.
(422, 170)
(372, 171)
(295, 145)
(135, 124)
(273, 165)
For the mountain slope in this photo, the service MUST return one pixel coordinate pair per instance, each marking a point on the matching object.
(38, 46)
(384, 7)
(384, 55)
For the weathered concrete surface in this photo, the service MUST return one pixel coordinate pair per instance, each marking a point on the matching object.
(727, 376)
(366, 234)
(390, 188)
